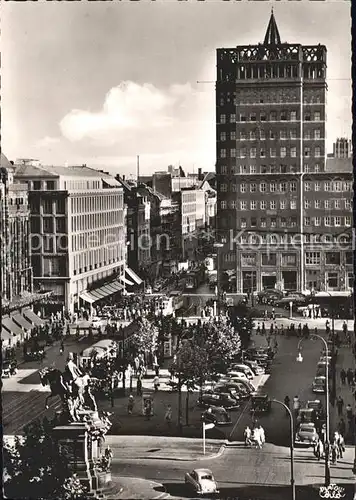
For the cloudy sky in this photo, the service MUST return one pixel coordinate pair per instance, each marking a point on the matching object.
(100, 83)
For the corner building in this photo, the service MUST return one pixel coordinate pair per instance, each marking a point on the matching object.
(270, 124)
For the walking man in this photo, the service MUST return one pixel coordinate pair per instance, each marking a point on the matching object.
(156, 383)
(343, 376)
(340, 405)
(168, 415)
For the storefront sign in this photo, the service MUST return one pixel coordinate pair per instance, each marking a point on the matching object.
(332, 491)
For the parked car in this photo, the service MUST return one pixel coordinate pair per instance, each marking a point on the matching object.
(242, 382)
(306, 435)
(244, 368)
(319, 385)
(223, 399)
(8, 368)
(324, 359)
(255, 367)
(216, 415)
(201, 481)
(269, 296)
(260, 403)
(236, 374)
(237, 391)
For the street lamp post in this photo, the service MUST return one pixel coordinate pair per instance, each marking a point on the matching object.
(292, 482)
(327, 430)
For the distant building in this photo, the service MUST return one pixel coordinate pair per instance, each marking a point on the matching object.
(77, 234)
(17, 297)
(342, 148)
(173, 181)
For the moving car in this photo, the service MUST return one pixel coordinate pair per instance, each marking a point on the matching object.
(201, 481)
(306, 415)
(319, 385)
(219, 399)
(269, 296)
(216, 415)
(260, 403)
(317, 407)
(306, 435)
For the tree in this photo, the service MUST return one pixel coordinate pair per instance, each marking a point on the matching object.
(35, 467)
(145, 340)
(190, 366)
(241, 319)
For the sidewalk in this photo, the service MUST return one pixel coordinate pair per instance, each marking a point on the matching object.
(162, 447)
(318, 323)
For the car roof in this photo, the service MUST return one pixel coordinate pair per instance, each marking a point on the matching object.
(306, 410)
(200, 472)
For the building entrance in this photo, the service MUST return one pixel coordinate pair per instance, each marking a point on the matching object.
(249, 279)
(289, 280)
(269, 281)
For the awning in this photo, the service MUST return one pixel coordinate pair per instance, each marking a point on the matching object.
(88, 297)
(11, 326)
(125, 280)
(101, 292)
(31, 316)
(133, 275)
(22, 321)
(5, 335)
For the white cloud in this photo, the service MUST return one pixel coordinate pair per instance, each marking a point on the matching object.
(127, 107)
(47, 142)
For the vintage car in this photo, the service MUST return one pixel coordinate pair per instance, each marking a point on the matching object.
(255, 367)
(216, 415)
(236, 374)
(219, 399)
(260, 403)
(235, 391)
(306, 415)
(319, 385)
(317, 407)
(240, 367)
(35, 355)
(201, 481)
(306, 435)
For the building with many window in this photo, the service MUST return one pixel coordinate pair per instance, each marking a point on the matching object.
(270, 133)
(77, 233)
(342, 148)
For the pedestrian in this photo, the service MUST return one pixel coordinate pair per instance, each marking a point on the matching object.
(247, 436)
(262, 435)
(263, 329)
(340, 405)
(350, 376)
(334, 452)
(130, 404)
(139, 386)
(168, 415)
(342, 427)
(61, 348)
(258, 331)
(319, 449)
(148, 409)
(287, 403)
(296, 404)
(339, 440)
(156, 383)
(343, 376)
(349, 412)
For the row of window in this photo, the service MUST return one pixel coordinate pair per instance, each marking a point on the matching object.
(49, 205)
(270, 99)
(267, 169)
(281, 152)
(328, 221)
(49, 224)
(291, 238)
(254, 135)
(329, 204)
(272, 116)
(283, 187)
(86, 204)
(331, 258)
(97, 220)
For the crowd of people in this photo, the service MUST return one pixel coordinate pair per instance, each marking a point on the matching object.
(255, 437)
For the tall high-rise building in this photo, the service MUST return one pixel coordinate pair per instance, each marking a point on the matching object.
(270, 133)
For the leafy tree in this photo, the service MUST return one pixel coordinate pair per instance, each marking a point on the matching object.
(190, 366)
(242, 321)
(34, 467)
(145, 339)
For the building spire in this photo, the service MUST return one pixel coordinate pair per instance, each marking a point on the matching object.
(272, 34)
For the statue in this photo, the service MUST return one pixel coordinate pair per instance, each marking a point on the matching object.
(105, 459)
(73, 387)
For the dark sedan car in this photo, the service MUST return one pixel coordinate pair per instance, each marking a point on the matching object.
(219, 399)
(216, 415)
(260, 404)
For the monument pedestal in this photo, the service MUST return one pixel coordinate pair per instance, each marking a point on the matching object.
(75, 439)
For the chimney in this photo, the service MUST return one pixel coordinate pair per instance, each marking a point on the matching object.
(123, 177)
(200, 175)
